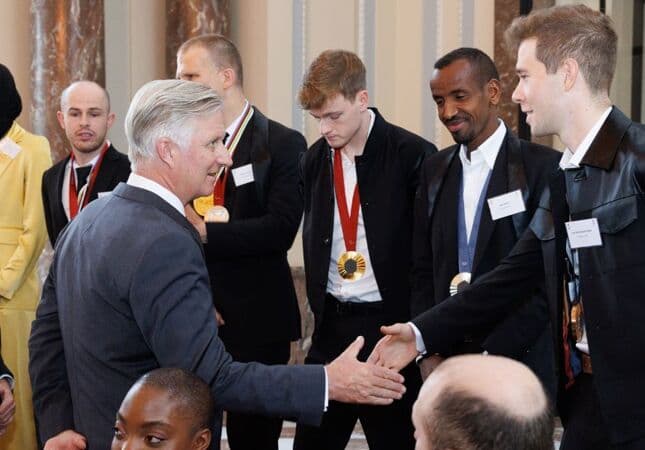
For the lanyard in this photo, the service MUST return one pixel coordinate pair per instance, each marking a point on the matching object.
(348, 221)
(76, 204)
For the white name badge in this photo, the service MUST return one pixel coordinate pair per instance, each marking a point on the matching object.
(9, 148)
(243, 175)
(583, 233)
(506, 204)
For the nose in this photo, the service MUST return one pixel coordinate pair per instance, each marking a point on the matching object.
(223, 158)
(447, 110)
(324, 127)
(517, 95)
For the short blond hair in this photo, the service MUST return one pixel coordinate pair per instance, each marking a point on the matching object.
(571, 31)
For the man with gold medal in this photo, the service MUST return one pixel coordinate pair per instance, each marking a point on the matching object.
(461, 231)
(358, 182)
(247, 225)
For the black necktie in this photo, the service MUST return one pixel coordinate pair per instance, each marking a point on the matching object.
(81, 176)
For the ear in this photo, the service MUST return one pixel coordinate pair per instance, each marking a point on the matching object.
(363, 100)
(570, 70)
(494, 91)
(166, 151)
(230, 77)
(61, 119)
(202, 439)
(110, 119)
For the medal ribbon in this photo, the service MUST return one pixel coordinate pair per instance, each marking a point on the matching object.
(74, 207)
(348, 222)
(219, 189)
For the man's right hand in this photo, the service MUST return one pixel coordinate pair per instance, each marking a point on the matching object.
(67, 440)
(352, 381)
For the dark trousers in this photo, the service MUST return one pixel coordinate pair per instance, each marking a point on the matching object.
(584, 426)
(385, 427)
(252, 431)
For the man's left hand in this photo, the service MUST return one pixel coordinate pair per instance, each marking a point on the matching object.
(7, 406)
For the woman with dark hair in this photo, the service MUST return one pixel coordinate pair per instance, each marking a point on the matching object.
(23, 159)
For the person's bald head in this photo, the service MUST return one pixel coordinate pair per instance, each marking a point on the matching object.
(483, 402)
(85, 88)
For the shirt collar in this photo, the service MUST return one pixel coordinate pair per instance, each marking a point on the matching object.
(487, 152)
(154, 187)
(570, 160)
(233, 126)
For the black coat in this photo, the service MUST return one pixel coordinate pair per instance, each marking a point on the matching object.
(114, 169)
(387, 176)
(520, 165)
(247, 257)
(609, 186)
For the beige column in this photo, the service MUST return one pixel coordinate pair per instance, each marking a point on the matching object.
(67, 45)
(189, 18)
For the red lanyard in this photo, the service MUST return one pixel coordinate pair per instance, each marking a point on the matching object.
(219, 189)
(348, 222)
(74, 207)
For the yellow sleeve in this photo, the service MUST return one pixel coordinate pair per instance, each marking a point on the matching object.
(34, 232)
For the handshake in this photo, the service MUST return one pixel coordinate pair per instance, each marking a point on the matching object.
(376, 381)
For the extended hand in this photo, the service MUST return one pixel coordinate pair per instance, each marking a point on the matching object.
(397, 349)
(352, 381)
(67, 440)
(7, 406)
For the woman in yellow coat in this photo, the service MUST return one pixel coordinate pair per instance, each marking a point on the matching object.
(23, 159)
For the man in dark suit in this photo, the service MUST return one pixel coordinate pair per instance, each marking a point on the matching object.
(474, 201)
(7, 403)
(357, 238)
(100, 325)
(585, 239)
(246, 251)
(93, 167)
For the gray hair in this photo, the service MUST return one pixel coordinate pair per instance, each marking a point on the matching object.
(164, 108)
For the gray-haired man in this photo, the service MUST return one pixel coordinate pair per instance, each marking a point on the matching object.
(133, 294)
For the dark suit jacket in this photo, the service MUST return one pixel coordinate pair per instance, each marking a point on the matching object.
(387, 176)
(128, 292)
(520, 165)
(114, 169)
(247, 257)
(609, 186)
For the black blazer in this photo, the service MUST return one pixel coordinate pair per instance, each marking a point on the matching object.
(609, 186)
(247, 257)
(520, 165)
(114, 169)
(387, 176)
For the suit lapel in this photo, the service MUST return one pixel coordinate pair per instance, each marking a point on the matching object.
(446, 203)
(106, 173)
(497, 185)
(58, 179)
(260, 157)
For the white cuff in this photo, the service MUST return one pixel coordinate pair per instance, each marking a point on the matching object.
(326, 390)
(421, 346)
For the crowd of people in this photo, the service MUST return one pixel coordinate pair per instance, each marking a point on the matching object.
(461, 298)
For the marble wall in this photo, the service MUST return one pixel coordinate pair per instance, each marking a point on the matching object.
(189, 18)
(67, 45)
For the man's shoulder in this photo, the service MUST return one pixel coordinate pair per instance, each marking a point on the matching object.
(56, 168)
(116, 157)
(404, 138)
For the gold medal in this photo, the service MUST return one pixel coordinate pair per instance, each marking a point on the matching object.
(577, 322)
(203, 204)
(217, 213)
(459, 282)
(351, 266)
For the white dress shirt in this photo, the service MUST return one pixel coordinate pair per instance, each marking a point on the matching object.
(475, 171)
(157, 189)
(69, 169)
(366, 288)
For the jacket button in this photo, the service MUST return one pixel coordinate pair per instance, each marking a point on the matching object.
(326, 241)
